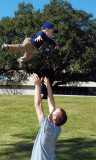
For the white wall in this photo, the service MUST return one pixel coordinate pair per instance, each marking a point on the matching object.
(27, 88)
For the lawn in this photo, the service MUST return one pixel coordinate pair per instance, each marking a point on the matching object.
(19, 126)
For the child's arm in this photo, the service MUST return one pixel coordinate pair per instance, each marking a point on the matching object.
(52, 42)
(39, 38)
(57, 47)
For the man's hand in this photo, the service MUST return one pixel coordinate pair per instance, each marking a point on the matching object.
(38, 39)
(46, 82)
(57, 47)
(36, 79)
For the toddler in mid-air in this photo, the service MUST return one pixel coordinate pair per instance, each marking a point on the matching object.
(29, 44)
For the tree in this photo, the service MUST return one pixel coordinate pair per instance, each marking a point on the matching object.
(76, 38)
(11, 31)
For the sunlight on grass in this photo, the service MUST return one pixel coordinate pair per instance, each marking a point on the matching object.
(19, 127)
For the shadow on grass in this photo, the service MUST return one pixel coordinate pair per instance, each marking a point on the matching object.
(76, 149)
(71, 149)
(20, 150)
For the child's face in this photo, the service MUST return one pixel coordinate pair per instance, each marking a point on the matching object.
(49, 32)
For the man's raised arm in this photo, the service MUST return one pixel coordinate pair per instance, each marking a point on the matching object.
(38, 100)
(51, 102)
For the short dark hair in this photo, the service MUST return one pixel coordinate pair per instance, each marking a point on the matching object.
(62, 118)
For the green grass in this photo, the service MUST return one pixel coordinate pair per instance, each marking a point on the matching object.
(19, 127)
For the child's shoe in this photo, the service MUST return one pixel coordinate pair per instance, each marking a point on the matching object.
(5, 47)
(21, 63)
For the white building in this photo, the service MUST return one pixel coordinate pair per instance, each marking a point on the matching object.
(28, 88)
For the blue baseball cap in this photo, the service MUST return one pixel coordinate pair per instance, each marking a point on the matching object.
(49, 26)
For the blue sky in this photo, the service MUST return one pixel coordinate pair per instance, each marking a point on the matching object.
(87, 5)
(7, 7)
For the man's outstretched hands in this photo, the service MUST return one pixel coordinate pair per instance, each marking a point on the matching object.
(36, 79)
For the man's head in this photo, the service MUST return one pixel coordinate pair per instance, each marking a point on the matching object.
(58, 117)
(49, 29)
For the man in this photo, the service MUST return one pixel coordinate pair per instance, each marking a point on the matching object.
(44, 145)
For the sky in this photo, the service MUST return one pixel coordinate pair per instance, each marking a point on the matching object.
(7, 7)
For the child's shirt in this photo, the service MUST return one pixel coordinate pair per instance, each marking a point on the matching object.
(41, 42)
(45, 142)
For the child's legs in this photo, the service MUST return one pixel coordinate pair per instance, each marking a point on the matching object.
(27, 56)
(29, 50)
(26, 45)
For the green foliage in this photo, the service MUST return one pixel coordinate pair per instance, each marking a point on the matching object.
(76, 37)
